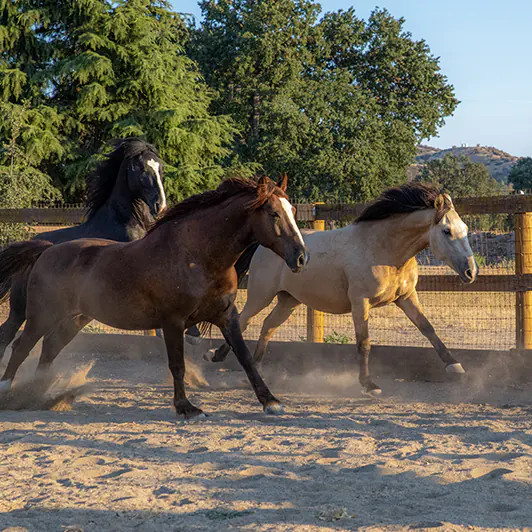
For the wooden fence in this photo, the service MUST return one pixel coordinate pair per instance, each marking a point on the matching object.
(520, 282)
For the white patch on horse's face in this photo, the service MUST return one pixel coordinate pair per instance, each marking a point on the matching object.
(287, 207)
(155, 165)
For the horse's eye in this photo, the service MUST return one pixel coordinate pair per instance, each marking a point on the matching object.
(447, 231)
(275, 215)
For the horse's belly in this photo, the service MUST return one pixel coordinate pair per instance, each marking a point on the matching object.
(323, 294)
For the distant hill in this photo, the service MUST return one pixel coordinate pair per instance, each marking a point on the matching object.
(498, 162)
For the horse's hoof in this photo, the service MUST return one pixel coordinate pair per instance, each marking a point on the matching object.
(191, 415)
(373, 392)
(455, 368)
(193, 340)
(5, 386)
(273, 408)
(209, 355)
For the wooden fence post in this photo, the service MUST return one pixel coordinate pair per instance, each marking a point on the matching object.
(315, 318)
(523, 265)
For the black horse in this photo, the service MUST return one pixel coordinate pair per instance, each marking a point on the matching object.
(125, 195)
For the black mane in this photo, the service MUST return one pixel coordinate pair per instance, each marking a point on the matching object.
(407, 198)
(260, 193)
(100, 183)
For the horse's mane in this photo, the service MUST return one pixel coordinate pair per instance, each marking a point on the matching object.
(259, 191)
(100, 183)
(407, 198)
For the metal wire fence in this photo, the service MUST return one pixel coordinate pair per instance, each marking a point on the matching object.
(487, 316)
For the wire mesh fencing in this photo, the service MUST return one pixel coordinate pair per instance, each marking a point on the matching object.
(484, 315)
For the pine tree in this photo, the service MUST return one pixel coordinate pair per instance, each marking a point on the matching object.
(95, 70)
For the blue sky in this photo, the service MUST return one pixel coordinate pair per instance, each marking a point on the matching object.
(485, 50)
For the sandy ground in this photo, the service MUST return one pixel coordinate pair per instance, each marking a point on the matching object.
(446, 456)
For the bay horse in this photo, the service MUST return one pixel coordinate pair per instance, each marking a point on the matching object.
(125, 195)
(367, 264)
(180, 274)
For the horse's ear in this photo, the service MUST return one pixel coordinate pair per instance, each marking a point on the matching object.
(448, 201)
(439, 202)
(263, 180)
(284, 183)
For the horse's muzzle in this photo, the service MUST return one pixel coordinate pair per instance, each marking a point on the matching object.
(299, 261)
(470, 272)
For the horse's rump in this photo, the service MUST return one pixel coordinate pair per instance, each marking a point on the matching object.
(18, 258)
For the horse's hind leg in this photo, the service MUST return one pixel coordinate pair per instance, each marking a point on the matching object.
(17, 313)
(286, 304)
(411, 307)
(21, 349)
(58, 338)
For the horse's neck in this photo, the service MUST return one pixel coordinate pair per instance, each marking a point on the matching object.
(119, 214)
(220, 233)
(403, 236)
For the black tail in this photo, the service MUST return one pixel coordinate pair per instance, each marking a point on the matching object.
(242, 264)
(17, 258)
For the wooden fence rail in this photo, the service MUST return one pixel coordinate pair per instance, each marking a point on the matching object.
(520, 283)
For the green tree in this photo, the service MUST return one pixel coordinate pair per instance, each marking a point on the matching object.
(460, 176)
(94, 70)
(338, 103)
(520, 175)
(463, 178)
(21, 181)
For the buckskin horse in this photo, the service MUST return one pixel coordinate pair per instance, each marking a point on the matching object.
(367, 264)
(125, 195)
(180, 274)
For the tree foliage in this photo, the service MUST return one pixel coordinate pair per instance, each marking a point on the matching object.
(463, 178)
(337, 102)
(520, 175)
(460, 176)
(93, 70)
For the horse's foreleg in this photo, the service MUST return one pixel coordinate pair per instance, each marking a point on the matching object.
(233, 336)
(411, 307)
(360, 313)
(173, 338)
(247, 313)
(286, 304)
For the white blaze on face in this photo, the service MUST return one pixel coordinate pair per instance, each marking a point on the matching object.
(154, 165)
(287, 207)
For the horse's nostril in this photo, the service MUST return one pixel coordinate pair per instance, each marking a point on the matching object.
(469, 273)
(301, 260)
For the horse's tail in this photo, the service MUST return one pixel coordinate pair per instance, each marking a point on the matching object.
(16, 259)
(242, 264)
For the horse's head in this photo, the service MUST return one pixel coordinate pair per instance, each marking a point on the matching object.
(144, 179)
(448, 240)
(274, 225)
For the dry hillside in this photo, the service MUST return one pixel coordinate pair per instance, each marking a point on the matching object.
(498, 162)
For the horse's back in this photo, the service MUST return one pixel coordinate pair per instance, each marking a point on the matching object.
(62, 258)
(322, 284)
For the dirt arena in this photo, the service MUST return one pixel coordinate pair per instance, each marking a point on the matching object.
(434, 456)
